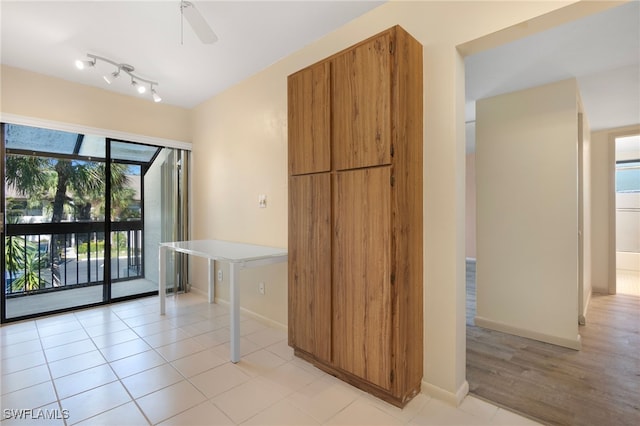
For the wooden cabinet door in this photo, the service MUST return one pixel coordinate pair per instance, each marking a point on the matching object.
(310, 264)
(362, 274)
(309, 120)
(361, 105)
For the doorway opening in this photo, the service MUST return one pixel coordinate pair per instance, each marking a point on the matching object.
(627, 215)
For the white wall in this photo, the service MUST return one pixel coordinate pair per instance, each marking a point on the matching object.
(527, 213)
(628, 222)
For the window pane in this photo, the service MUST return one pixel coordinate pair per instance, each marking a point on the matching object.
(49, 190)
(628, 176)
(54, 271)
(132, 152)
(126, 192)
(42, 140)
(93, 146)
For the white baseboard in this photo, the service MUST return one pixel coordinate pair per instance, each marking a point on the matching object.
(452, 398)
(253, 315)
(530, 334)
(198, 291)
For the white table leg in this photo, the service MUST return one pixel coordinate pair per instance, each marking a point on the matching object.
(162, 277)
(212, 281)
(235, 312)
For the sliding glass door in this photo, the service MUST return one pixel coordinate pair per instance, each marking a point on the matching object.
(75, 212)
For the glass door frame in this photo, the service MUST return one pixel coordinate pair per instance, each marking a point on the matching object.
(107, 226)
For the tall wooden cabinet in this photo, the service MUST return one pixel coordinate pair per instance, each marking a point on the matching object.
(355, 215)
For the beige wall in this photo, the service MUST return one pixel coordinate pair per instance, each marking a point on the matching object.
(28, 94)
(239, 152)
(527, 213)
(470, 203)
(602, 204)
(239, 146)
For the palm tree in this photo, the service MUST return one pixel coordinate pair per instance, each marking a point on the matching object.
(23, 262)
(121, 193)
(42, 178)
(54, 179)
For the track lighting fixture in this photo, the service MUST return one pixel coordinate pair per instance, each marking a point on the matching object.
(136, 80)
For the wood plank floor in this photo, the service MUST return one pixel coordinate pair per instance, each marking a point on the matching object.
(598, 385)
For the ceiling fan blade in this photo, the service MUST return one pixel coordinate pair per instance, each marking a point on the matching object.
(198, 23)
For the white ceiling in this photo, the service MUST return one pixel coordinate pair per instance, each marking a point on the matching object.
(602, 51)
(48, 36)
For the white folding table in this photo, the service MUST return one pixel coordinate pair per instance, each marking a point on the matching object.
(238, 256)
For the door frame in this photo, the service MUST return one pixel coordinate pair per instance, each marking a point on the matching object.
(611, 149)
(108, 135)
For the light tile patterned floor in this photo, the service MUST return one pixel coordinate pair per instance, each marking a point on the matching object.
(628, 282)
(126, 365)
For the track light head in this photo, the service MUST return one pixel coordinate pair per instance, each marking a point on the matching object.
(156, 97)
(139, 87)
(110, 77)
(85, 64)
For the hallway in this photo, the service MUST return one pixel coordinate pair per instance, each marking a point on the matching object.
(594, 386)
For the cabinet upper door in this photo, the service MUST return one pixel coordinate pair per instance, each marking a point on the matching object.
(310, 264)
(362, 300)
(361, 105)
(309, 120)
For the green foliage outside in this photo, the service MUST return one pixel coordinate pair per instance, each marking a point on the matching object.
(23, 264)
(118, 246)
(61, 187)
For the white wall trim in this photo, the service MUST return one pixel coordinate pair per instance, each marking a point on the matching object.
(78, 128)
(510, 329)
(444, 395)
(196, 290)
(258, 317)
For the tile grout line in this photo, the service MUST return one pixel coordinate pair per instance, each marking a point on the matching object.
(167, 362)
(117, 379)
(53, 383)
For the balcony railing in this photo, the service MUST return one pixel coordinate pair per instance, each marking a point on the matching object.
(38, 260)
